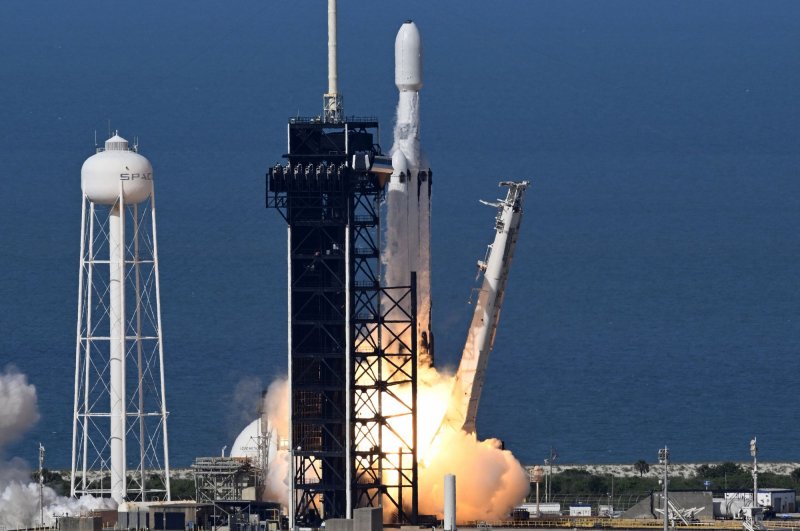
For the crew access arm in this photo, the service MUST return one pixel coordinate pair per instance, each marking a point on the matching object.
(463, 407)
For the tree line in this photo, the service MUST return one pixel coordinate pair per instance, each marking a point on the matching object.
(724, 476)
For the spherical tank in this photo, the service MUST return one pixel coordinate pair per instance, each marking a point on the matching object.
(408, 58)
(103, 172)
(246, 444)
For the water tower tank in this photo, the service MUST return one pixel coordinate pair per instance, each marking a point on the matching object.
(103, 172)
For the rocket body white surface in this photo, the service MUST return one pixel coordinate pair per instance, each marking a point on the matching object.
(398, 182)
(408, 198)
(408, 58)
(463, 407)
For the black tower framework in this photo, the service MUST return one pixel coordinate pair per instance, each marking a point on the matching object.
(352, 341)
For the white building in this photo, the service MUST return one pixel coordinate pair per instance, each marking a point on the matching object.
(580, 510)
(780, 500)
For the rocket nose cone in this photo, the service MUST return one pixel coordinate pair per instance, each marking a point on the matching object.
(399, 176)
(399, 163)
(408, 58)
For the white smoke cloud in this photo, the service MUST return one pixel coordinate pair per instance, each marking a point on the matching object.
(243, 405)
(18, 410)
(19, 497)
(276, 415)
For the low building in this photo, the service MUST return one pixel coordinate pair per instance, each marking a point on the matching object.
(580, 510)
(778, 500)
(547, 509)
(167, 516)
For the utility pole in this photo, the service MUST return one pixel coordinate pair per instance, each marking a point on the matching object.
(41, 483)
(663, 458)
(546, 480)
(549, 463)
(754, 454)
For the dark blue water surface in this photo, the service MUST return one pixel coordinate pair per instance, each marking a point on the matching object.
(655, 294)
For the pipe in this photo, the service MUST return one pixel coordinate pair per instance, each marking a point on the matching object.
(449, 503)
(116, 290)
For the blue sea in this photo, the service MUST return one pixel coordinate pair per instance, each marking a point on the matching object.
(655, 294)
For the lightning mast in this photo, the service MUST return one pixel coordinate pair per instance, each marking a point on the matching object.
(332, 104)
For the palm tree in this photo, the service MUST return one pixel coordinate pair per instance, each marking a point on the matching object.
(641, 467)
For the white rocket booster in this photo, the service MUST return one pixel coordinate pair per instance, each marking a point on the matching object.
(408, 197)
(462, 409)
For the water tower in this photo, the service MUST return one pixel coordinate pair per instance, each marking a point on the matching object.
(120, 414)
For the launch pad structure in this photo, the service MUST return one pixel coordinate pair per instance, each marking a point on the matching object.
(351, 339)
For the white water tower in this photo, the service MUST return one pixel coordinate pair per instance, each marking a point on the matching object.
(120, 414)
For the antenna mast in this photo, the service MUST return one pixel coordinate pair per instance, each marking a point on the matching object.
(41, 483)
(332, 100)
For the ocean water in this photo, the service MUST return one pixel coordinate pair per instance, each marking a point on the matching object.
(655, 294)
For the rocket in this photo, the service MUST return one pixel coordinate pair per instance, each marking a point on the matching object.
(409, 191)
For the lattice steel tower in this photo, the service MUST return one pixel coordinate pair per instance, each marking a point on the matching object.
(352, 341)
(120, 415)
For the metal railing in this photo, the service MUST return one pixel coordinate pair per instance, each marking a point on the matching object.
(320, 120)
(606, 523)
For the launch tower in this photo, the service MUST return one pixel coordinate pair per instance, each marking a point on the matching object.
(352, 340)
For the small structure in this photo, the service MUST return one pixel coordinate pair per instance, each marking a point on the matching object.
(580, 510)
(364, 519)
(164, 516)
(182, 515)
(684, 505)
(223, 478)
(80, 523)
(779, 500)
(605, 510)
(549, 509)
(732, 504)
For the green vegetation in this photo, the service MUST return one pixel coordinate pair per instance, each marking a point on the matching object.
(182, 489)
(722, 476)
(54, 480)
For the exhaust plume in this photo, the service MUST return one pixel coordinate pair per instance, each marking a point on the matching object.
(276, 414)
(491, 480)
(19, 497)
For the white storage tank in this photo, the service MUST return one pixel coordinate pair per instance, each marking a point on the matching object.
(115, 169)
